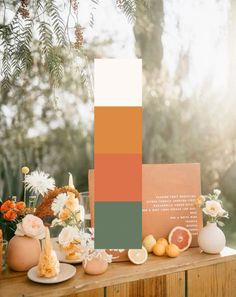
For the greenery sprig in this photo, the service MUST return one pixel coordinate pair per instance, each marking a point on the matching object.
(42, 22)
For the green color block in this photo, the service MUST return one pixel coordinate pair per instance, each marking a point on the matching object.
(118, 225)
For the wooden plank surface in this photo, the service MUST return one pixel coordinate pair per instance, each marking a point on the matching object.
(162, 286)
(18, 285)
(217, 280)
(91, 293)
(175, 284)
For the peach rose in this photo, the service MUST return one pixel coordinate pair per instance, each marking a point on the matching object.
(72, 203)
(31, 226)
(64, 214)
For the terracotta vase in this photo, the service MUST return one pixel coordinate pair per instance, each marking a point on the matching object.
(95, 266)
(211, 239)
(23, 253)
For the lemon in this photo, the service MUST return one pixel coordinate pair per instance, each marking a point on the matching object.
(148, 242)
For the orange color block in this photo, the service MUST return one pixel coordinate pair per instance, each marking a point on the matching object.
(118, 177)
(118, 130)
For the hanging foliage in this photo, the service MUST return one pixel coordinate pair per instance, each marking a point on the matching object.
(44, 24)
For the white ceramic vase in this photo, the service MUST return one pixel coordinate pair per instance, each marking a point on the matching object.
(211, 239)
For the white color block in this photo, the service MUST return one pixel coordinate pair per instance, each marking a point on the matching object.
(118, 82)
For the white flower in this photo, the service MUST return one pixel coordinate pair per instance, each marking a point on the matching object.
(31, 226)
(86, 240)
(39, 182)
(58, 203)
(217, 192)
(213, 208)
(67, 235)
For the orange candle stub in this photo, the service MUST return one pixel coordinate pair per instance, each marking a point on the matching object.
(1, 250)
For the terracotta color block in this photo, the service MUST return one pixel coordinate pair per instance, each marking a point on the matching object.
(118, 130)
(118, 177)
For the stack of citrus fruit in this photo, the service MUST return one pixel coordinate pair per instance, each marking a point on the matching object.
(179, 240)
(163, 247)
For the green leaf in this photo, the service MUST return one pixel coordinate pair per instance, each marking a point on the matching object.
(221, 224)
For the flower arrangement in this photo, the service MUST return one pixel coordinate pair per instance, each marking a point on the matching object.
(70, 215)
(212, 207)
(81, 244)
(68, 211)
(11, 213)
(44, 210)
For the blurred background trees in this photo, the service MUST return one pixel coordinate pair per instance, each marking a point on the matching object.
(188, 115)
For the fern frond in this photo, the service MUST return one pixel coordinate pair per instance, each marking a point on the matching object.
(45, 37)
(55, 67)
(56, 21)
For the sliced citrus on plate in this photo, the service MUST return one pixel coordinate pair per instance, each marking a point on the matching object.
(138, 256)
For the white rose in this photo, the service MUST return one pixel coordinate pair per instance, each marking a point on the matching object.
(31, 226)
(213, 208)
(67, 235)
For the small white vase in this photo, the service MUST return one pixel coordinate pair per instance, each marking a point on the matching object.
(211, 239)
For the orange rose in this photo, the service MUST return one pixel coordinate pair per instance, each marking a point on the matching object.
(20, 205)
(10, 215)
(7, 205)
(64, 214)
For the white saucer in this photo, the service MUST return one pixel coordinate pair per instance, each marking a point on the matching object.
(67, 271)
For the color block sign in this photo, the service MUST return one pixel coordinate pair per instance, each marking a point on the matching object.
(118, 153)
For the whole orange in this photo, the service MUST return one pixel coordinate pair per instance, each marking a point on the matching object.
(163, 241)
(159, 249)
(172, 250)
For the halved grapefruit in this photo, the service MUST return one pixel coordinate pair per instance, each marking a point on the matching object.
(181, 237)
(138, 256)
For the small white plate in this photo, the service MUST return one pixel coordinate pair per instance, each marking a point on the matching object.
(67, 271)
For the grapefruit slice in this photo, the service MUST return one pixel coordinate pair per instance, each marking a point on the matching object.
(181, 237)
(138, 256)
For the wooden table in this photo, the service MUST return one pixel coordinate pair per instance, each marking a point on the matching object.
(192, 274)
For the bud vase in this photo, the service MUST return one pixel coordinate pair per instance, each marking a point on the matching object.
(211, 239)
(23, 253)
(96, 263)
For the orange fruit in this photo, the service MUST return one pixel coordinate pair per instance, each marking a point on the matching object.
(148, 242)
(172, 250)
(138, 256)
(181, 237)
(163, 241)
(159, 249)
